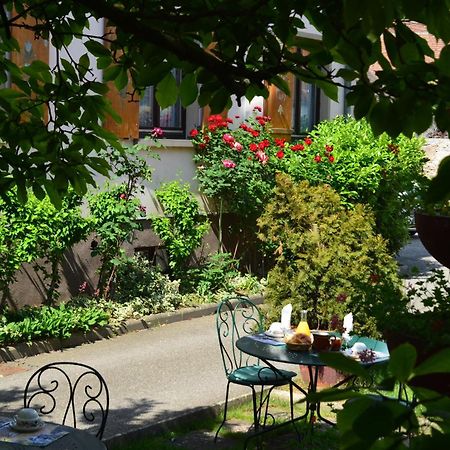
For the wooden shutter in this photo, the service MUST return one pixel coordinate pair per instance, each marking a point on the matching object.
(32, 47)
(121, 103)
(279, 107)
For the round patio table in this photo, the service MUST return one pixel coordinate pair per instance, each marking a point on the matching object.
(270, 351)
(75, 439)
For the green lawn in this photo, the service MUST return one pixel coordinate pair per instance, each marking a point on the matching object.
(199, 434)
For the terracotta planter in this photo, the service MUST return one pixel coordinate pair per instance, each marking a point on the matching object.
(434, 232)
(328, 376)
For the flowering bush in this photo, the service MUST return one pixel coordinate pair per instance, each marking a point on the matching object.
(238, 166)
(377, 171)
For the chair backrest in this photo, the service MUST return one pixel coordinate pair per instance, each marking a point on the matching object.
(236, 317)
(79, 391)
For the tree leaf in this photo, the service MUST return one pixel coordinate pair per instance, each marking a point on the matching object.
(402, 362)
(167, 91)
(188, 89)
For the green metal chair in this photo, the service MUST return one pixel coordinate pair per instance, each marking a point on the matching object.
(237, 317)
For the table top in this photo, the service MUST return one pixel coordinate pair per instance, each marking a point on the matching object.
(280, 353)
(74, 439)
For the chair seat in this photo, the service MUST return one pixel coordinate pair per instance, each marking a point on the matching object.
(259, 375)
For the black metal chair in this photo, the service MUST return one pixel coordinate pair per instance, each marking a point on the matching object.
(237, 317)
(79, 388)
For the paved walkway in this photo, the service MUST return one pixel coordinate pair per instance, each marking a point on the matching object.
(156, 374)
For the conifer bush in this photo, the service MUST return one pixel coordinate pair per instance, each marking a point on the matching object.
(328, 259)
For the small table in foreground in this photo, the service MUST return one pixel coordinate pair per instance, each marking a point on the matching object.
(74, 439)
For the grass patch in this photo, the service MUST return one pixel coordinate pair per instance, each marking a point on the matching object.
(200, 434)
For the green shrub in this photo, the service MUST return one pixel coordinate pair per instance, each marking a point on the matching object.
(211, 275)
(33, 323)
(328, 259)
(114, 214)
(377, 171)
(182, 228)
(144, 288)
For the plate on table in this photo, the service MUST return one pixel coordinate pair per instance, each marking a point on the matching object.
(21, 428)
(274, 335)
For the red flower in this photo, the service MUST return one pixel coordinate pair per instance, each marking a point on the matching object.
(308, 141)
(280, 154)
(255, 133)
(317, 158)
(253, 147)
(193, 133)
(393, 148)
(340, 298)
(331, 158)
(212, 127)
(280, 142)
(202, 146)
(328, 148)
(123, 196)
(297, 147)
(257, 108)
(244, 126)
(374, 278)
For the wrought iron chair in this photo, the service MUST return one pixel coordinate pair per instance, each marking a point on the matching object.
(235, 318)
(80, 388)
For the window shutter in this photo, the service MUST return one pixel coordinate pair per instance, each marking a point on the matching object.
(121, 103)
(32, 47)
(279, 107)
(127, 110)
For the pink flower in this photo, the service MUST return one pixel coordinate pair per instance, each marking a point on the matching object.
(263, 158)
(123, 196)
(237, 146)
(157, 133)
(227, 138)
(193, 133)
(228, 164)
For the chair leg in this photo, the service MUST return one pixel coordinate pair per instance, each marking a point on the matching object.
(225, 410)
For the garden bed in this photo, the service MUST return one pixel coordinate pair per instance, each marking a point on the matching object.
(24, 349)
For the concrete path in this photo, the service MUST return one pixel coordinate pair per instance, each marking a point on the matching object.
(159, 373)
(153, 375)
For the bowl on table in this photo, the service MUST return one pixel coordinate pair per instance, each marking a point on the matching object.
(299, 342)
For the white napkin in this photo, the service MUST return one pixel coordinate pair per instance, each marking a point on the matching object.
(348, 326)
(286, 313)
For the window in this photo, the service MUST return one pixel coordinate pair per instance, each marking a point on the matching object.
(171, 120)
(306, 107)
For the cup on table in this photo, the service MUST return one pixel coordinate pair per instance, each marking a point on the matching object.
(324, 341)
(27, 418)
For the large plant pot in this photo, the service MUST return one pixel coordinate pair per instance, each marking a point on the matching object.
(434, 232)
